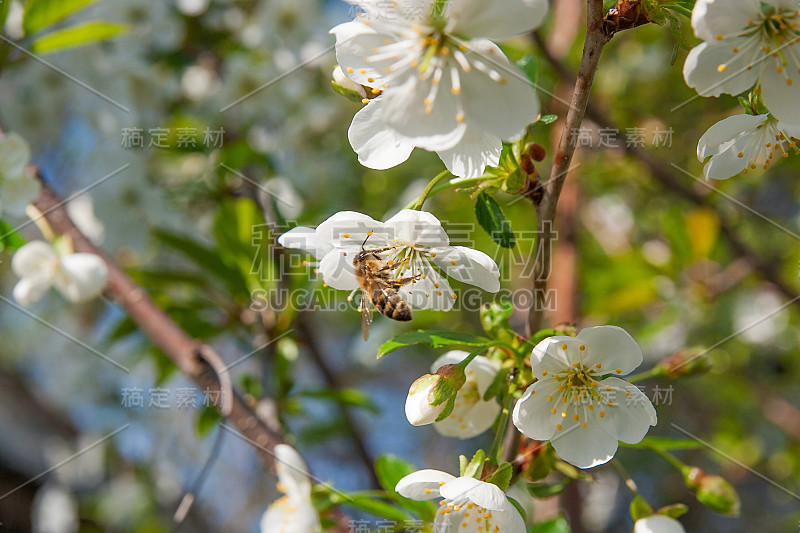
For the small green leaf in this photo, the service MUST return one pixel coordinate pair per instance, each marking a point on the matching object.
(475, 467)
(42, 13)
(433, 338)
(492, 219)
(502, 476)
(666, 443)
(374, 507)
(207, 420)
(347, 93)
(75, 36)
(555, 525)
(547, 490)
(548, 119)
(497, 386)
(462, 464)
(9, 239)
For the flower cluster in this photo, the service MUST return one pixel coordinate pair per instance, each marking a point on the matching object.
(427, 80)
(412, 241)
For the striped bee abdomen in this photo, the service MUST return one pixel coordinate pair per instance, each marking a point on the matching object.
(391, 304)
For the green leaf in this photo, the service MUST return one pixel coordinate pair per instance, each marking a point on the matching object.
(347, 93)
(548, 119)
(42, 13)
(5, 5)
(492, 219)
(346, 396)
(233, 228)
(462, 464)
(77, 36)
(555, 525)
(502, 476)
(745, 103)
(675, 510)
(498, 384)
(433, 338)
(475, 467)
(666, 443)
(546, 490)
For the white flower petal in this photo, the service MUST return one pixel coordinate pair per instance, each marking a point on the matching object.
(429, 292)
(33, 258)
(727, 163)
(630, 418)
(533, 414)
(292, 472)
(290, 516)
(15, 154)
(349, 229)
(548, 357)
(658, 523)
(478, 492)
(377, 146)
(453, 357)
(702, 67)
(419, 228)
(406, 112)
(470, 157)
(722, 17)
(584, 447)
(337, 268)
(726, 130)
(779, 96)
(355, 41)
(346, 83)
(466, 422)
(510, 519)
(82, 277)
(419, 411)
(497, 20)
(514, 103)
(30, 289)
(303, 238)
(414, 485)
(611, 346)
(17, 193)
(468, 266)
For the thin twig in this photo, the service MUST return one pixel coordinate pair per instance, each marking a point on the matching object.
(596, 39)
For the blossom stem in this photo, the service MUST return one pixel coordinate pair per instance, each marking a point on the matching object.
(671, 459)
(629, 482)
(422, 197)
(502, 425)
(655, 372)
(596, 39)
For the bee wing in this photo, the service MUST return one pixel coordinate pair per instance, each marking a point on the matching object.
(366, 315)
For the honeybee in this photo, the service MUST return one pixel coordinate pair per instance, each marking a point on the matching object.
(379, 288)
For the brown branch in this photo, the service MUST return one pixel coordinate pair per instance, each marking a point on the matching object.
(193, 358)
(663, 173)
(596, 39)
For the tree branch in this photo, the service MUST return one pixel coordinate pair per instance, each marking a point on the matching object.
(596, 39)
(662, 172)
(192, 357)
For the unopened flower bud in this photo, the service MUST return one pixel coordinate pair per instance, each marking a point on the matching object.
(343, 82)
(431, 395)
(689, 362)
(713, 491)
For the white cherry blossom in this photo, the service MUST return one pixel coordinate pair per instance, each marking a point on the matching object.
(17, 187)
(414, 238)
(471, 415)
(748, 42)
(292, 512)
(437, 82)
(467, 506)
(77, 276)
(742, 143)
(658, 524)
(575, 405)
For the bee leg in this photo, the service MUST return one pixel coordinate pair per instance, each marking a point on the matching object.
(393, 266)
